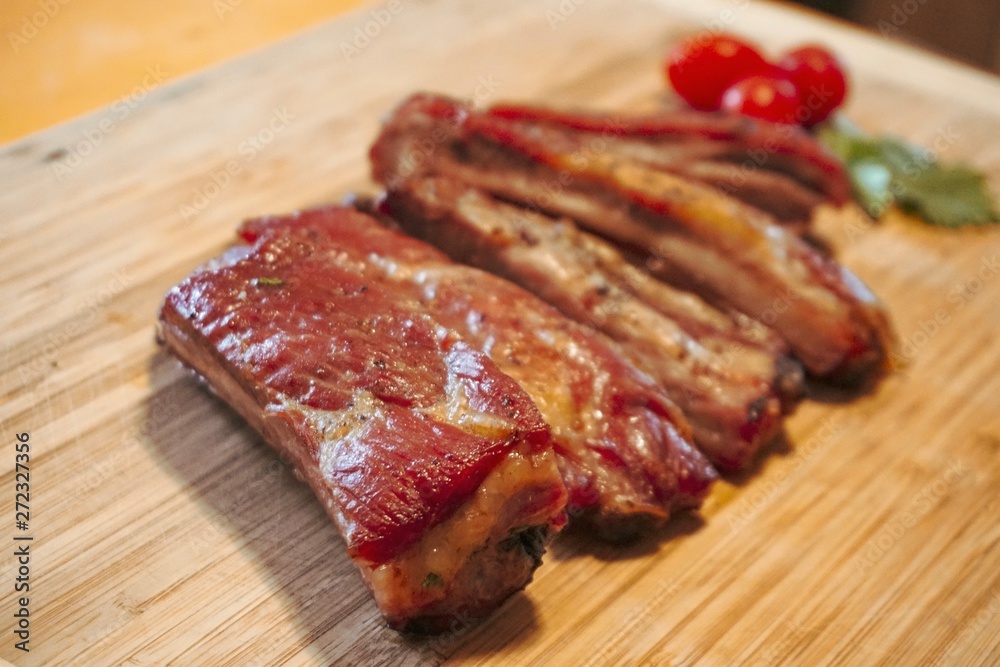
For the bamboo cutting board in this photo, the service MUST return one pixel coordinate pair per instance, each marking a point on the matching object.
(165, 532)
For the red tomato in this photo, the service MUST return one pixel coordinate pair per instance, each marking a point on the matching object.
(764, 96)
(820, 78)
(703, 66)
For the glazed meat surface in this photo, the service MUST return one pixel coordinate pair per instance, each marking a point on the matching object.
(435, 466)
(730, 391)
(623, 447)
(728, 252)
(777, 167)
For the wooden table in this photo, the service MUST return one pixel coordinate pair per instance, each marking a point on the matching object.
(66, 58)
(164, 531)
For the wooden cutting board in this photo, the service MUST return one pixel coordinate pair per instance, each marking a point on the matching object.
(165, 532)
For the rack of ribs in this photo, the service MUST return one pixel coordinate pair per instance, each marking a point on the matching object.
(687, 232)
(732, 387)
(622, 445)
(412, 394)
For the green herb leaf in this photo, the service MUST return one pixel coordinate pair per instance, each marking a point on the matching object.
(433, 579)
(886, 171)
(269, 282)
(949, 196)
(872, 182)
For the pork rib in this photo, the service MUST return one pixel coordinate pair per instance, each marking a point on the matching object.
(755, 160)
(730, 392)
(731, 253)
(621, 444)
(436, 467)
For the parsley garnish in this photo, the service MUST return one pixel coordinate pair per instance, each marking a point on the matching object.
(269, 282)
(886, 171)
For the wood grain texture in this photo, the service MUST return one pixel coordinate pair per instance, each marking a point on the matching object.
(166, 532)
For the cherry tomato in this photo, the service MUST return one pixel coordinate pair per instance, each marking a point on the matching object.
(820, 78)
(703, 66)
(765, 96)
